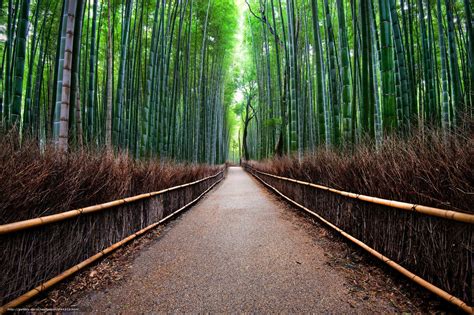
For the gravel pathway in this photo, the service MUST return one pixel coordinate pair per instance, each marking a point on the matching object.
(238, 250)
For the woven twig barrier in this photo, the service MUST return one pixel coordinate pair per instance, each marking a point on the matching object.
(430, 248)
(38, 253)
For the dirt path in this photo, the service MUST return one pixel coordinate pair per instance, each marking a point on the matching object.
(237, 250)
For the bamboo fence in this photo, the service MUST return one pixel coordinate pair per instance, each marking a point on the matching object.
(441, 213)
(432, 242)
(38, 253)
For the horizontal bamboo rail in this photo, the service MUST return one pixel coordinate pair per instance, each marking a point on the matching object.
(422, 282)
(31, 223)
(53, 281)
(436, 212)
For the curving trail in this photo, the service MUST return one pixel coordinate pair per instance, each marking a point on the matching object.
(238, 250)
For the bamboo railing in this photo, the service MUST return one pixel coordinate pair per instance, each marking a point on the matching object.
(31, 223)
(441, 213)
(28, 228)
(436, 212)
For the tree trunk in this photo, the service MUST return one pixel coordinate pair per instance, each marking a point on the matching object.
(246, 127)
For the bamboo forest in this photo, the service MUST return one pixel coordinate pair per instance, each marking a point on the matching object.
(118, 115)
(333, 73)
(159, 78)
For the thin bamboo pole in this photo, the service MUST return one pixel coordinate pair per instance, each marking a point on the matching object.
(31, 223)
(422, 282)
(436, 212)
(53, 281)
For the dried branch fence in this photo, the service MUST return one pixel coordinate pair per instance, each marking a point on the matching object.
(435, 244)
(37, 250)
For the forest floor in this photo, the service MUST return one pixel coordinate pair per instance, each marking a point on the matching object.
(240, 249)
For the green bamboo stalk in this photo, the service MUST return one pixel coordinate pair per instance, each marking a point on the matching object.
(470, 61)
(108, 122)
(19, 66)
(293, 99)
(66, 77)
(387, 69)
(59, 75)
(27, 109)
(118, 126)
(91, 96)
(428, 100)
(8, 73)
(445, 120)
(346, 75)
(334, 104)
(366, 106)
(403, 103)
(200, 104)
(457, 97)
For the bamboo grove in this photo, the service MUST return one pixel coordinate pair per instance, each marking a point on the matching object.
(147, 77)
(336, 72)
